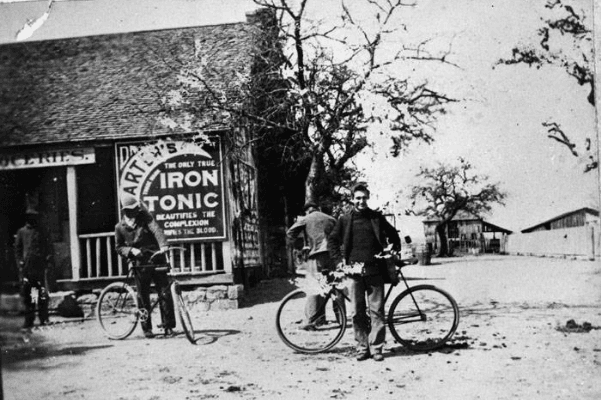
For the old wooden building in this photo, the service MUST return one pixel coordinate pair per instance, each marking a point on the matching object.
(468, 233)
(80, 121)
(581, 217)
(571, 234)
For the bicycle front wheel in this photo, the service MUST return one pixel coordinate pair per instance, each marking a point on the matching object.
(321, 335)
(182, 312)
(117, 310)
(423, 318)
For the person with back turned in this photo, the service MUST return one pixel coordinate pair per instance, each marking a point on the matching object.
(316, 226)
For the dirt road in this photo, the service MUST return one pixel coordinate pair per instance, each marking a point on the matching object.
(512, 343)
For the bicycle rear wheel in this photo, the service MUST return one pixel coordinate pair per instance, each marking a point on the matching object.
(318, 337)
(423, 318)
(182, 312)
(117, 310)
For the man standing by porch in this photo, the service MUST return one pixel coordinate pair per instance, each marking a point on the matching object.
(32, 252)
(136, 233)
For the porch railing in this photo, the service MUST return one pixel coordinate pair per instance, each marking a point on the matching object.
(100, 261)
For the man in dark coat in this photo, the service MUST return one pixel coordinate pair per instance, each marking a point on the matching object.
(357, 238)
(137, 236)
(32, 252)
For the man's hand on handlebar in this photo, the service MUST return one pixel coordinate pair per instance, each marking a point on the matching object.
(135, 253)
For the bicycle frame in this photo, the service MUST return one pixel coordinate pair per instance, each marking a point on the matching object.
(160, 293)
(334, 290)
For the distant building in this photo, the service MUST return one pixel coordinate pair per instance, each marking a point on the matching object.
(467, 233)
(572, 234)
(572, 219)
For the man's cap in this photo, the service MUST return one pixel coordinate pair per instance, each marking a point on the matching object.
(128, 201)
(308, 205)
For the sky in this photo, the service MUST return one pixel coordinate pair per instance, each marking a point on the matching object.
(496, 125)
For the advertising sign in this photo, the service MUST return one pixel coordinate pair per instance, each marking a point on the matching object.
(47, 158)
(180, 183)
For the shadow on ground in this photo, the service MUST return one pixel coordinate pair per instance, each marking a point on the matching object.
(268, 291)
(209, 336)
(13, 357)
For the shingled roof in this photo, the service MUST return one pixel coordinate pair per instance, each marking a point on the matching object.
(105, 87)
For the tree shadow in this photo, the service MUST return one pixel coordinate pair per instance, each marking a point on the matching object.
(12, 358)
(268, 291)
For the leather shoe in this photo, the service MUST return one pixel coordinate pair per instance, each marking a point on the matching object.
(363, 356)
(169, 332)
(378, 357)
(148, 334)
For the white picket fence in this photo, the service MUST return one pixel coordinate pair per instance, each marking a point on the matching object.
(99, 259)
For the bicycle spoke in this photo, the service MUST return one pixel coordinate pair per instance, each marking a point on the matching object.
(423, 318)
(117, 311)
(314, 336)
(183, 313)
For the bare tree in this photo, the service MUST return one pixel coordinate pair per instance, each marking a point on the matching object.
(325, 95)
(445, 190)
(565, 41)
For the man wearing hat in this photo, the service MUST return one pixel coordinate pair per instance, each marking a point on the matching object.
(316, 226)
(32, 253)
(137, 236)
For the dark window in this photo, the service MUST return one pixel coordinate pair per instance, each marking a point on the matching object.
(97, 211)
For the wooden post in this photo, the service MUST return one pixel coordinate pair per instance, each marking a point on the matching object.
(592, 249)
(597, 86)
(73, 237)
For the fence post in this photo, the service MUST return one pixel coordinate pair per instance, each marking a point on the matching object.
(592, 249)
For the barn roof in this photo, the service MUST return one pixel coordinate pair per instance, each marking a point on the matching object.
(587, 210)
(467, 216)
(107, 87)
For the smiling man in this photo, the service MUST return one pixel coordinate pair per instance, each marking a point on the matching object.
(356, 238)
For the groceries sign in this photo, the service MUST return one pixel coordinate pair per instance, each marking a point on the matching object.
(181, 184)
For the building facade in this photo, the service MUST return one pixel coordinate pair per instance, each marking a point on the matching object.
(467, 233)
(581, 217)
(81, 121)
(571, 234)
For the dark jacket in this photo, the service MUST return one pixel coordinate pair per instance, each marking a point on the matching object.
(32, 249)
(144, 235)
(340, 240)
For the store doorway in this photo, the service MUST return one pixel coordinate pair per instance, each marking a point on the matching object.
(43, 190)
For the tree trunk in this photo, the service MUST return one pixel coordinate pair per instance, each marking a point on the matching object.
(443, 250)
(315, 178)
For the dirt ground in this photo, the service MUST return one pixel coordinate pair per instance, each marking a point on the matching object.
(512, 343)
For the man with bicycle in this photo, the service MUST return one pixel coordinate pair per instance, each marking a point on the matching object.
(358, 237)
(137, 237)
(315, 227)
(32, 253)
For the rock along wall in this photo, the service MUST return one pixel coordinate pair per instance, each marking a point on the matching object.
(219, 297)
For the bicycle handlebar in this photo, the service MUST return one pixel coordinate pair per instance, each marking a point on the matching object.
(163, 251)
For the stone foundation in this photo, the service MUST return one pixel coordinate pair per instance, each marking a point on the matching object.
(219, 297)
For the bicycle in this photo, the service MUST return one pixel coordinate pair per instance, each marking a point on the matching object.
(421, 317)
(118, 310)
